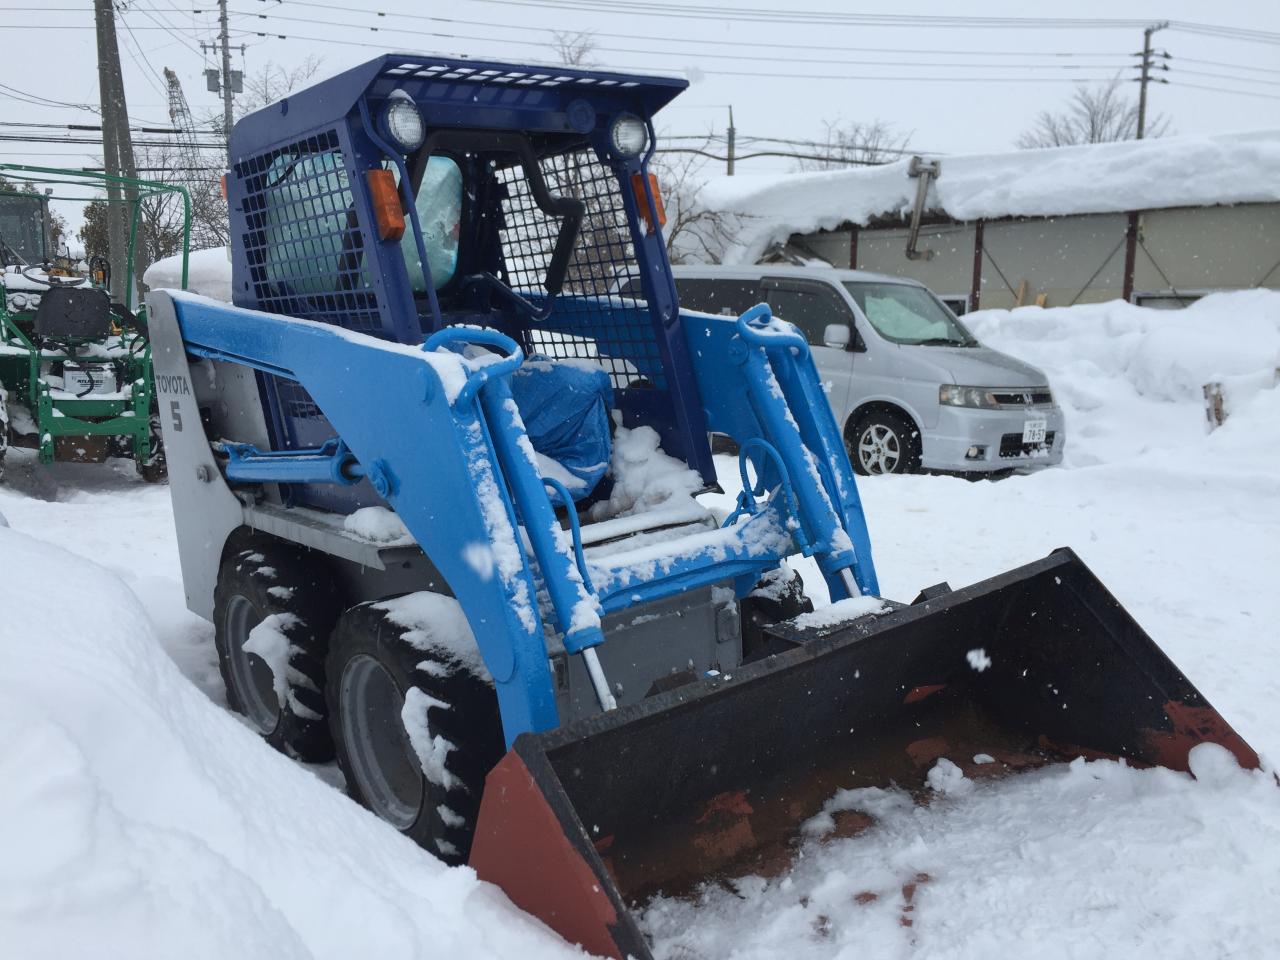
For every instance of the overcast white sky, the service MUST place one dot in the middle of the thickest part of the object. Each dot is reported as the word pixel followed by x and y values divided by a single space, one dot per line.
pixel 784 79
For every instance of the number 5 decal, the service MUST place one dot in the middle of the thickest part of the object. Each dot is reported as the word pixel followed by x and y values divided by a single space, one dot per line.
pixel 176 414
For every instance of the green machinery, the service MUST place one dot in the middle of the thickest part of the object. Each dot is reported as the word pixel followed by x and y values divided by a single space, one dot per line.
pixel 75 362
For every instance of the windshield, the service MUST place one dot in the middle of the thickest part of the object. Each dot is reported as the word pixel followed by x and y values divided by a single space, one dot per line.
pixel 439 203
pixel 22 238
pixel 903 313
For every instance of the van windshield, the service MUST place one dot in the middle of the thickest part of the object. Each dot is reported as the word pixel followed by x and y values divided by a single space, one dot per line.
pixel 903 313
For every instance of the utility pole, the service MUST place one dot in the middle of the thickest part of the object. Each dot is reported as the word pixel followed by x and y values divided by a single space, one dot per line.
pixel 731 138
pixel 227 82
pixel 227 85
pixel 1146 75
pixel 117 144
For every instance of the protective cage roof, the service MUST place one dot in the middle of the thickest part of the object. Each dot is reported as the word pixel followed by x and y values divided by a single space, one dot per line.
pixel 449 82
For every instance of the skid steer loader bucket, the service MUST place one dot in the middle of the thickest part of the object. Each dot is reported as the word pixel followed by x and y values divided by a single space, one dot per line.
pixel 1035 666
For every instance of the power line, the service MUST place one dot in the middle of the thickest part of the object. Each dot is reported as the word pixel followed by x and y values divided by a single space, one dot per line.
pixel 756 14
pixel 827 18
pixel 23 138
pixel 272 35
pixel 784 141
pixel 704 55
pixel 137 46
pixel 1226 33
pixel 664 40
pixel 1243 93
pixel 16 94
pixel 168 131
pixel 1232 66
pixel 156 17
pixel 1223 76
pixel 715 42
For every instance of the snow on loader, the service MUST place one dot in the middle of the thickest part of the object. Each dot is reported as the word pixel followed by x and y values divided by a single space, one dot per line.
pixel 75 361
pixel 435 481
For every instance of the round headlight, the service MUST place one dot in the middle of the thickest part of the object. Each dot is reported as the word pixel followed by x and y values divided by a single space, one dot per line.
pixel 630 136
pixel 404 121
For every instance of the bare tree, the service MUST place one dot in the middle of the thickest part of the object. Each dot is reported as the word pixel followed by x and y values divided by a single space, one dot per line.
pixel 693 233
pixel 1092 115
pixel 574 48
pixel 160 218
pixel 273 82
pixel 160 215
pixel 270 83
pixel 857 143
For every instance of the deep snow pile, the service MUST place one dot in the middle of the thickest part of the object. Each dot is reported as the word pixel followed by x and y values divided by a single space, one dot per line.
pixel 1081 860
pixel 1130 378
pixel 1098 178
pixel 208 273
pixel 139 819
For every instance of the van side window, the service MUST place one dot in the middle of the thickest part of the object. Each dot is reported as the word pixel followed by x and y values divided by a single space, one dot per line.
pixel 811 307
pixel 719 296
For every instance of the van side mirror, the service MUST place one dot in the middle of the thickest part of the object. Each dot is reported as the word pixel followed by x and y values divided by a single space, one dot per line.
pixel 837 336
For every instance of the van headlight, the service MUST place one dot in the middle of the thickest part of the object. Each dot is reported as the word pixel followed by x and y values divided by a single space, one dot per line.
pixel 953 395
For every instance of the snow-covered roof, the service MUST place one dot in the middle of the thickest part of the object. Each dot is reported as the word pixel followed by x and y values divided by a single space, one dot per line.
pixel 1099 178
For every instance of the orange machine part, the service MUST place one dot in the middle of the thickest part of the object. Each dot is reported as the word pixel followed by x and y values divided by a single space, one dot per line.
pixel 386 204
pixel 637 184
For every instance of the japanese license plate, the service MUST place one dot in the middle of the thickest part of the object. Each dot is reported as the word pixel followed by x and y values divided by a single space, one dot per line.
pixel 1033 431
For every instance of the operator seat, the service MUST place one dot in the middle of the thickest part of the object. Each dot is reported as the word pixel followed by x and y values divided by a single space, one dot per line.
pixel 68 313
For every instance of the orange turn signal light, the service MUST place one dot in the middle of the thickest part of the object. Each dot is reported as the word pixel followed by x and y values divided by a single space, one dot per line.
pixel 386 204
pixel 642 202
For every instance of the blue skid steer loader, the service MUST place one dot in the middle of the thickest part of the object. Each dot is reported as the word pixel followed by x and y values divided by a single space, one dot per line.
pixel 435 482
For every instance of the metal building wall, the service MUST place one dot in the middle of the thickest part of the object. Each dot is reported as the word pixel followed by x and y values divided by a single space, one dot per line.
pixel 948 272
pixel 1064 259
pixel 1194 250
pixel 1174 254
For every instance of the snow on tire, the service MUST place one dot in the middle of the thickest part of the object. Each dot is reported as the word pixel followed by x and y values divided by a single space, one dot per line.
pixel 414 718
pixel 274 608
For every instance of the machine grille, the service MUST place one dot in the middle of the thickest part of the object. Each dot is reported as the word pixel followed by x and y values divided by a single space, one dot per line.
pixel 590 320
pixel 302 238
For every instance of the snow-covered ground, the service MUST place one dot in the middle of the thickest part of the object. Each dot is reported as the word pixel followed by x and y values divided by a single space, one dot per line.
pixel 140 819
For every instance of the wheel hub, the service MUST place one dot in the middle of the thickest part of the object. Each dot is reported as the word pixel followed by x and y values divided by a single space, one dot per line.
pixel 382 759
pixel 250 675
pixel 879 450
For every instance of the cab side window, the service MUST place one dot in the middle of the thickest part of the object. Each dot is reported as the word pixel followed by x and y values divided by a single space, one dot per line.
pixel 811 307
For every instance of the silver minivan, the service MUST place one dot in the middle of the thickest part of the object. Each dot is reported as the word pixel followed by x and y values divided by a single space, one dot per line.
pixel 912 388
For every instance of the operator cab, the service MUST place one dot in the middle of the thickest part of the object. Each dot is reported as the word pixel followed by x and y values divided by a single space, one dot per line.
pixel 463 193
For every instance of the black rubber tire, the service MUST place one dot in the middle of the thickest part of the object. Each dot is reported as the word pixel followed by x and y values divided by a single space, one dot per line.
pixel 461 708
pixel 278 578
pixel 156 469
pixel 905 434
pixel 4 429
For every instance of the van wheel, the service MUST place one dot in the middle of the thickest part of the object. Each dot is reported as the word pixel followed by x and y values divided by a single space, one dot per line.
pixel 273 611
pixel 884 442
pixel 415 724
